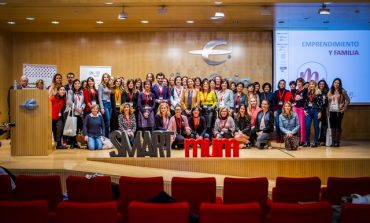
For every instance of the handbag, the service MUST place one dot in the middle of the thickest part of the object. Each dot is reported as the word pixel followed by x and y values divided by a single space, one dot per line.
pixel 70 127
pixel 328 135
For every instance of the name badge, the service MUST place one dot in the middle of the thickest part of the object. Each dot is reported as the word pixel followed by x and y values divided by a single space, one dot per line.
pixel 118 104
pixel 160 97
pixel 60 114
pixel 310 104
pixel 293 103
pixel 147 107
pixel 236 106
pixel 131 104
pixel 280 103
pixel 222 104
pixel 93 102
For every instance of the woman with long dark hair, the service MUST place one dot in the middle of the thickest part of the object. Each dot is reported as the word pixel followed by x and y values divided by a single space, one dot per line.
pixel 337 105
pixel 176 94
pixel 146 105
pixel 281 95
pixel 208 102
pixel 190 98
pixel 90 96
pixel 58 102
pixel 56 82
pixel 127 121
pixel 300 99
pixel 131 96
pixel 198 126
pixel 266 94
pixel 243 127
pixel 104 92
pixel 180 126
pixel 264 126
pixel 323 121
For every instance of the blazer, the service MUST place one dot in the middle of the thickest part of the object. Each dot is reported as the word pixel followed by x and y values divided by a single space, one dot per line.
pixel 159 125
pixel 241 100
pixel 172 127
pixel 194 100
pixel 343 100
pixel 201 128
pixel 269 122
pixel 227 99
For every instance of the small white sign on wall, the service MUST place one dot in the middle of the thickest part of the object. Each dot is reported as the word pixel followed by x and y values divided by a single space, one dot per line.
pixel 95 72
pixel 39 71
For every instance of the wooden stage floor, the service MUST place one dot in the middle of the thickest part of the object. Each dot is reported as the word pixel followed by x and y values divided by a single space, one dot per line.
pixel 353 159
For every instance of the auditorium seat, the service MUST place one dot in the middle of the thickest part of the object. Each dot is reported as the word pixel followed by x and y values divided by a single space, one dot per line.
pixel 139 212
pixel 24 211
pixel 39 188
pixel 227 213
pixel 194 190
pixel 94 212
pixel 245 190
pixel 337 187
pixel 137 189
pixel 6 193
pixel 317 212
pixel 295 190
pixel 359 213
pixel 97 189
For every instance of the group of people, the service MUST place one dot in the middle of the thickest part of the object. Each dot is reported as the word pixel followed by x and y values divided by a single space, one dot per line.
pixel 199 108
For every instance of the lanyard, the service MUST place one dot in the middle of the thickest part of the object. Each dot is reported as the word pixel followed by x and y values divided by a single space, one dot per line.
pixel 222 96
pixel 196 122
pixel 131 95
pixel 117 93
pixel 128 122
pixel 281 95
pixel 224 125
pixel 310 97
pixel 237 99
pixel 205 96
pixel 178 92
pixel 164 122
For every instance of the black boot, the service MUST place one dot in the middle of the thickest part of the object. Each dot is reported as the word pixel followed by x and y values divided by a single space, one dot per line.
pixel 338 135
pixel 333 137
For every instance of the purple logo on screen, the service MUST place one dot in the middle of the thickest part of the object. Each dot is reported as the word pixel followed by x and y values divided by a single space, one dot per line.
pixel 312 71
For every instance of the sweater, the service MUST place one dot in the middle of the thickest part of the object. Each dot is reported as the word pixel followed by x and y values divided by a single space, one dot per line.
pixel 94 126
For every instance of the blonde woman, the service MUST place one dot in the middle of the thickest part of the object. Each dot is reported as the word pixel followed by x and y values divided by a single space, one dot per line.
pixel 225 125
pixel 104 93
pixel 289 126
pixel 55 83
pixel 253 110
pixel 40 84
pixel 162 119
pixel 127 121
pixel 312 111
pixel 94 128
pixel 117 91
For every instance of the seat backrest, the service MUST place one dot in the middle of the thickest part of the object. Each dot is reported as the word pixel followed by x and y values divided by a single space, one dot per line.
pixel 194 190
pixel 318 212
pixel 24 211
pixel 94 212
pixel 97 189
pixel 39 188
pixel 138 189
pixel 225 213
pixel 355 213
pixel 6 193
pixel 158 213
pixel 294 190
pixel 338 187
pixel 243 190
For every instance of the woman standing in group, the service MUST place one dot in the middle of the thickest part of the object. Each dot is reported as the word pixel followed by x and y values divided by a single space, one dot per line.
pixel 117 91
pixel 146 105
pixel 233 87
pixel 171 82
pixel 197 83
pixel 208 102
pixel 280 97
pixel 90 96
pixel 94 128
pixel 150 77
pixel 127 121
pixel 131 96
pixel 253 110
pixel 190 98
pixel 197 125
pixel 299 100
pixel 312 111
pixel 138 85
pixel 180 126
pixel 176 94
pixel 225 97
pixel 337 105
pixel 218 80
pixel 212 85
pixel 324 89
pixel 251 93
pixel 104 92
pixel 162 119
pixel 264 126
pixel 289 126
pixel 75 100
pixel 243 127
pixel 257 88
pixel 184 82
pixel 266 94
pixel 225 125
pixel 55 83
pixel 58 102
pixel 240 98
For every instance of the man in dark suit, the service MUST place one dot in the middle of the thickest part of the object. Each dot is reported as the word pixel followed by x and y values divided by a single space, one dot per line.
pixel 161 92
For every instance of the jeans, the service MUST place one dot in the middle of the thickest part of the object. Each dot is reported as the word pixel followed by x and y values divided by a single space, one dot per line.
pixel 107 114
pixel 312 114
pixel 263 138
pixel 94 143
pixel 278 132
pixel 301 119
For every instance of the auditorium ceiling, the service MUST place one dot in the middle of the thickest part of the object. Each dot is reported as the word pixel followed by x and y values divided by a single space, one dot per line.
pixel 177 15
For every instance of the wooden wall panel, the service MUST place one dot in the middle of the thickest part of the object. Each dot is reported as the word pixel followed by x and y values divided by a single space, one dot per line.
pixel 135 54
pixel 5 72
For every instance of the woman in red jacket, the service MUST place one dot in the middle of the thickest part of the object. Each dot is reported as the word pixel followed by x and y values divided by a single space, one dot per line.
pixel 58 102
pixel 90 96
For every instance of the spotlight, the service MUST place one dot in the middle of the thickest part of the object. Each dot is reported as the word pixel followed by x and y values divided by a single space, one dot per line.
pixel 324 10
pixel 122 15
pixel 218 15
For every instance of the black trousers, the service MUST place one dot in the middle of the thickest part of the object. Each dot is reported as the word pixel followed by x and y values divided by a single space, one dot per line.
pixel 57 127
pixel 336 120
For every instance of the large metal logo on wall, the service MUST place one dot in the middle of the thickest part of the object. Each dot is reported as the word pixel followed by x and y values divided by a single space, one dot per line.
pixel 208 49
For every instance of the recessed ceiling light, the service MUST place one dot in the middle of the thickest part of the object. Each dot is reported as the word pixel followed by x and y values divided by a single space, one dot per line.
pixel 11 22
pixel 218 3
pixel 55 22
pixel 144 21
pixel 218 15
pixel 324 10
pixel 190 21
pixel 3 3
pixel 30 18
pixel 99 22
pixel 109 3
